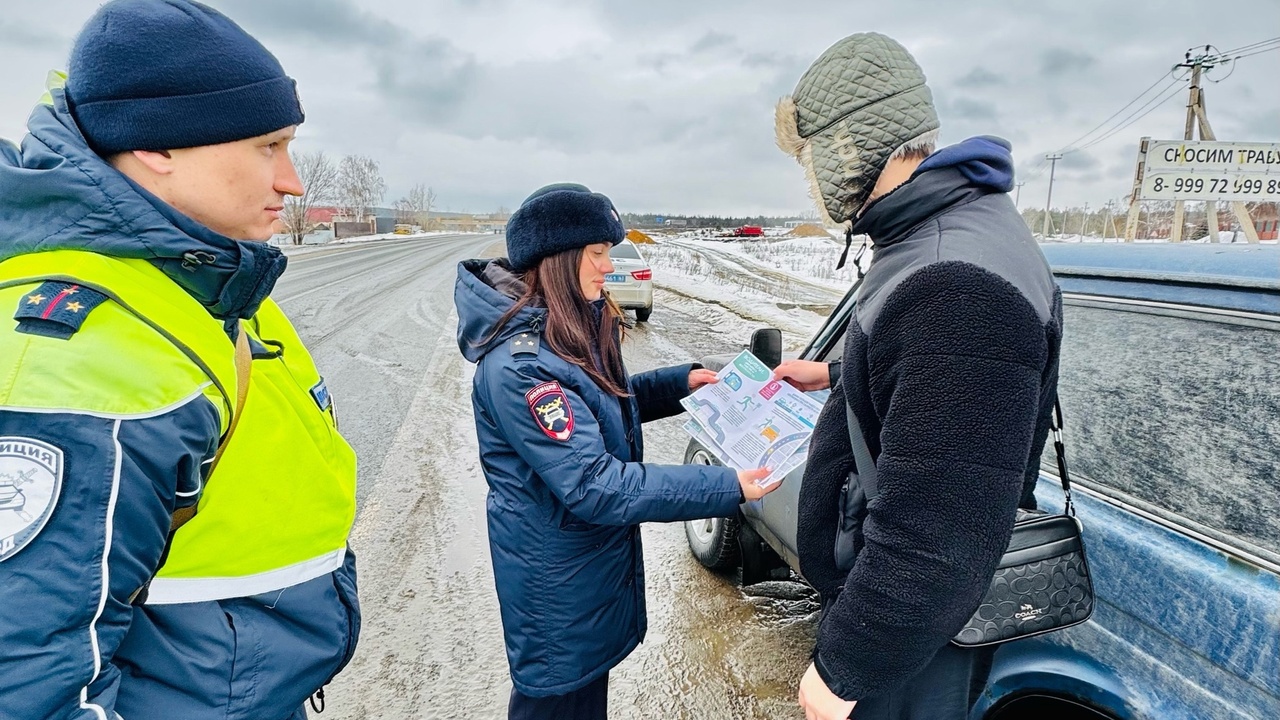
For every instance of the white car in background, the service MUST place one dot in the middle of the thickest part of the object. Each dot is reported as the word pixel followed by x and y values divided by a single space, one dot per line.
pixel 631 282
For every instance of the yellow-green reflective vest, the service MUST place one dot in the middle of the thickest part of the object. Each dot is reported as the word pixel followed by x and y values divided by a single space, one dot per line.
pixel 280 505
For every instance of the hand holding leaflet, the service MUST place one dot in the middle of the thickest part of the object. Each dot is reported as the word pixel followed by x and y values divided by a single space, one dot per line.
pixel 749 420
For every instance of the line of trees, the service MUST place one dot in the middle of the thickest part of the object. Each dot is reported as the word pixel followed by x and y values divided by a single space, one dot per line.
pixel 355 186
pixel 645 220
pixel 1155 219
pixel 415 208
pixel 319 176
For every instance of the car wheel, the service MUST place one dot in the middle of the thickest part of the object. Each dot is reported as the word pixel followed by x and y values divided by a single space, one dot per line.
pixel 713 541
pixel 642 314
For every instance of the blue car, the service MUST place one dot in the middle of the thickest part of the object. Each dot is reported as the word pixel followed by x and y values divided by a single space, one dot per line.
pixel 1170 383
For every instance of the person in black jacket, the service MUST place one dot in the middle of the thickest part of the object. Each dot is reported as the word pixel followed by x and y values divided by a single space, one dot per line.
pixel 950 364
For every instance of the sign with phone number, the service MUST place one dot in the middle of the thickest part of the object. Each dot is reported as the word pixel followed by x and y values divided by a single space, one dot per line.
pixel 1210 170
pixel 1205 186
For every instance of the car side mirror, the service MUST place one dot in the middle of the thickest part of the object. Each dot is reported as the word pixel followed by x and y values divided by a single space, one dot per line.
pixel 766 344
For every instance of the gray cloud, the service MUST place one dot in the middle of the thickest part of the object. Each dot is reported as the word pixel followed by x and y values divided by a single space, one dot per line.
pixel 668 104
pixel 980 77
pixel 711 41
pixel 26 36
pixel 1082 160
pixel 1061 61
pixel 326 21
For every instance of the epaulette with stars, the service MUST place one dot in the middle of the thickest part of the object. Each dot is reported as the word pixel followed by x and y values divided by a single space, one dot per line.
pixel 56 309
pixel 526 343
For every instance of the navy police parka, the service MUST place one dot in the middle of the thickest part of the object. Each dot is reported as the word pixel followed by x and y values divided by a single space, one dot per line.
pixel 567 488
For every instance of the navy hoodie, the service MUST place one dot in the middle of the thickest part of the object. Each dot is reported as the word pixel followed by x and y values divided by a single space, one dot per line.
pixel 951 364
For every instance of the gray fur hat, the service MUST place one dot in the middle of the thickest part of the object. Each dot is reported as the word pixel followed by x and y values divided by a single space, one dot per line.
pixel 863 101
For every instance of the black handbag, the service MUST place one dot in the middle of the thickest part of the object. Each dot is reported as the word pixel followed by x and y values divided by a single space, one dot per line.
pixel 1042 582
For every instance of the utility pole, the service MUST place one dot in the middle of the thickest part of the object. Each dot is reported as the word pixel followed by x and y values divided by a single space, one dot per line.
pixel 1084 220
pixel 1197 118
pixel 1053 159
pixel 1135 197
pixel 1179 207
pixel 1017 198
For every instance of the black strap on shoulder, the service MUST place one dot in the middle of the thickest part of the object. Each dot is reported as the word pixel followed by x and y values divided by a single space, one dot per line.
pixel 863 464
pixel 868 476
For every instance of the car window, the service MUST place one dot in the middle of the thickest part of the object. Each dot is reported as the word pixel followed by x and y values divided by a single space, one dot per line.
pixel 626 251
pixel 1180 411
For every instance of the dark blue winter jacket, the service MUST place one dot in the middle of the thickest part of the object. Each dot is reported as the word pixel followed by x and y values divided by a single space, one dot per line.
pixel 567 489
pixel 72 645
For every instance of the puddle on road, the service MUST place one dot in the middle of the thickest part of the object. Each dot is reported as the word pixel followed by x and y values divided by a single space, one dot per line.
pixel 715 650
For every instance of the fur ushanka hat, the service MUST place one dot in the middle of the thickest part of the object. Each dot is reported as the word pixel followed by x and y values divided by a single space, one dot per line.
pixel 861 102
pixel 560 217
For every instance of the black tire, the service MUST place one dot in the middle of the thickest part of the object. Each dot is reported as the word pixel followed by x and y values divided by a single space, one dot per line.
pixel 642 314
pixel 713 541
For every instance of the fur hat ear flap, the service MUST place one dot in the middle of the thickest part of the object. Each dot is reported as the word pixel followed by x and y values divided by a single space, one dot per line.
pixel 786 131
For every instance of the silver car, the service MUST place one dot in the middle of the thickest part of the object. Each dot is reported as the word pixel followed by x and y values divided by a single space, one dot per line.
pixel 631 282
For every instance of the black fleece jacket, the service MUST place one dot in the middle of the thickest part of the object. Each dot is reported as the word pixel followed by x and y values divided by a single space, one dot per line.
pixel 951 364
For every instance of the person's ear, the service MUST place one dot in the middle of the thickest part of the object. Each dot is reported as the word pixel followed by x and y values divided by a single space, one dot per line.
pixel 159 162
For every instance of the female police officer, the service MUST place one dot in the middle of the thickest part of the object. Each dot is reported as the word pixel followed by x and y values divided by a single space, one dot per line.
pixel 558 422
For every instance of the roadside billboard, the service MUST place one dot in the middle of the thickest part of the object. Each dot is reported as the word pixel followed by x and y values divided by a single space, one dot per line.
pixel 1210 170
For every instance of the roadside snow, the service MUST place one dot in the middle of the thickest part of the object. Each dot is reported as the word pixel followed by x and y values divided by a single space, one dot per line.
pixel 788 283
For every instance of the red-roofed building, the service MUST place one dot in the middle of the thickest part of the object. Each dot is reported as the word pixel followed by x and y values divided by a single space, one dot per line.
pixel 322 214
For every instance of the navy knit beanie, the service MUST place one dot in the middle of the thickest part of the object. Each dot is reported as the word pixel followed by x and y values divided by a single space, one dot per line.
pixel 171 74
pixel 560 217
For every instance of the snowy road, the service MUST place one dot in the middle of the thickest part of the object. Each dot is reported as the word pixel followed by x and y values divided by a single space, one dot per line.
pixel 379 321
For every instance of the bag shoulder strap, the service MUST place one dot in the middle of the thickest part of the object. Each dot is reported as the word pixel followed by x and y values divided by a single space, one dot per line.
pixel 864 466
pixel 244 365
pixel 868 476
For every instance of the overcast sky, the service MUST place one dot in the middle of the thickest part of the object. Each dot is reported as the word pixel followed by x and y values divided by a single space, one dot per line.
pixel 667 105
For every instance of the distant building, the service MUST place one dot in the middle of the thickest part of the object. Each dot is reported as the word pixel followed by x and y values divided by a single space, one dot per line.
pixel 1266 218
pixel 465 222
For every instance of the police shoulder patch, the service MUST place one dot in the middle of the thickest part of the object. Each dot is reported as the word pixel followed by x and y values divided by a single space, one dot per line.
pixel 551 410
pixel 525 343
pixel 30 483
pixel 56 309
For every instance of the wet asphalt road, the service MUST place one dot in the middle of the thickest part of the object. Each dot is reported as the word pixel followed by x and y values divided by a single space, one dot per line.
pixel 378 319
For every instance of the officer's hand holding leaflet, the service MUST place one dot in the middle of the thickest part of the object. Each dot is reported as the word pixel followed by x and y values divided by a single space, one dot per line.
pixel 701 376
pixel 751 483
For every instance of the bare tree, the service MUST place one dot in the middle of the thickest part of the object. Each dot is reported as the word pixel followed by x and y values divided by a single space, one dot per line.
pixel 360 185
pixel 319 178
pixel 419 203
pixel 404 212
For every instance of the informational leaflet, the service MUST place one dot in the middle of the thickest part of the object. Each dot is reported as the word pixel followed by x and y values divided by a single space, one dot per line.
pixel 749 420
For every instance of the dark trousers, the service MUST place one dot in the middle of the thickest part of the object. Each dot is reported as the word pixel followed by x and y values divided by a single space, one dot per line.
pixel 588 703
pixel 944 690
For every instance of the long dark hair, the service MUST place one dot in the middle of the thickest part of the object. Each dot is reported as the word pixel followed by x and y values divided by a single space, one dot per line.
pixel 553 283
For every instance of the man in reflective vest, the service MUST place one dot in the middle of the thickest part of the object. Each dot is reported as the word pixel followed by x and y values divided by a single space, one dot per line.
pixel 175 497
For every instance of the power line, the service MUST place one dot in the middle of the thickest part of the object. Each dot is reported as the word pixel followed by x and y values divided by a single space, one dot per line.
pixel 1251 46
pixel 1170 92
pixel 1070 146
pixel 1257 52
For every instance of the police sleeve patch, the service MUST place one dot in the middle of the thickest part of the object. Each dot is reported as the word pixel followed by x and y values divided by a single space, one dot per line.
pixel 551 410
pixel 30 482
